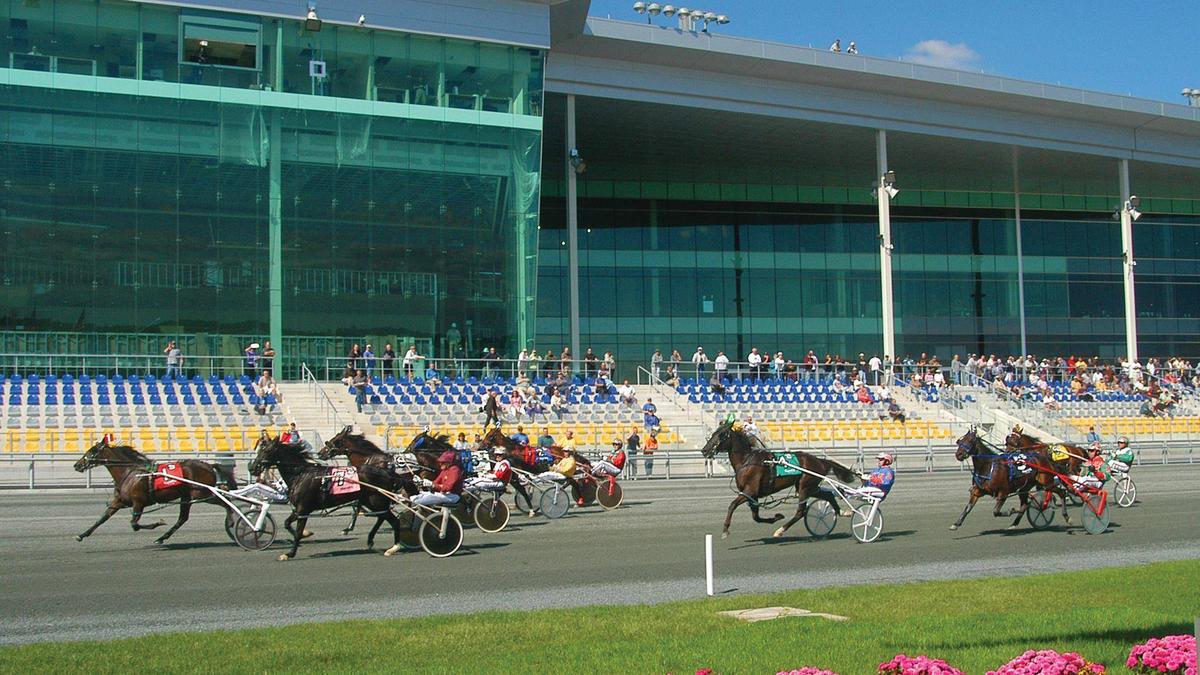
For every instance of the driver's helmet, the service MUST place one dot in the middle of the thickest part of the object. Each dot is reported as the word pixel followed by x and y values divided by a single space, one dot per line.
pixel 1095 446
pixel 885 457
pixel 1122 442
pixel 1017 429
pixel 498 450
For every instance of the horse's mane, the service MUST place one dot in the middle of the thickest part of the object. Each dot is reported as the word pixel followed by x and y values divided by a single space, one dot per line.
pixel 126 453
pixel 296 452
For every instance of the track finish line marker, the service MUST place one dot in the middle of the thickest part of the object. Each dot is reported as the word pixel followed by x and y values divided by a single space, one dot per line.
pixel 708 564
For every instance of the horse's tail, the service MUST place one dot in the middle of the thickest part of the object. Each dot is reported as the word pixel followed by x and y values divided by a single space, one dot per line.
pixel 226 475
pixel 843 472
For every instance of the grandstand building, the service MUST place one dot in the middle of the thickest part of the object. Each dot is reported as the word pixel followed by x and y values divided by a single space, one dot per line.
pixel 231 171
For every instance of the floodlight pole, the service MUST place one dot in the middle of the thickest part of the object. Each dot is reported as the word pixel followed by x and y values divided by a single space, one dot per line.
pixel 1128 263
pixel 1020 252
pixel 572 231
pixel 883 199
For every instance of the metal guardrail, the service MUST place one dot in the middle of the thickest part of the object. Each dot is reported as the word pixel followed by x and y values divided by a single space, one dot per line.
pixel 127 364
pixel 314 389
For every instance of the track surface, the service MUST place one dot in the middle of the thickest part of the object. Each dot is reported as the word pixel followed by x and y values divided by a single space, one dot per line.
pixel 117 583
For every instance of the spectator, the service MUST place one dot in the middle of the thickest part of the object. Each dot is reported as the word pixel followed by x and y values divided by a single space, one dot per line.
pixel 627 394
pixel 389 360
pixel 591 363
pixel 433 378
pixel 883 393
pixel 895 412
pixel 265 386
pixel 810 365
pixel 720 366
pixel 174 361
pixel 1092 436
pixel 876 366
pixel 754 359
pixel 360 389
pixel 751 428
pixel 251 361
pixel 535 363
pixel 715 385
pixel 698 360
pixel 863 395
pixel 353 359
pixel 545 440
pixel 779 364
pixel 520 437
pixel 648 450
pixel 676 360
pixel 836 46
pixel 656 360
pixel 672 376
pixel 461 445
pixel 649 414
pixel 410 360
pixel 564 360
pixel 609 364
pixel 453 339
pixel 604 386
pixel 491 409
pixel 522 363
pixel 368 358
pixel 491 360
pixel 268 357
pixel 852 49
pixel 633 443
pixel 558 404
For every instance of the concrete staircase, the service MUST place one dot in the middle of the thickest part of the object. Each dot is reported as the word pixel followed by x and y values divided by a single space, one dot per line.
pixel 324 408
pixel 678 414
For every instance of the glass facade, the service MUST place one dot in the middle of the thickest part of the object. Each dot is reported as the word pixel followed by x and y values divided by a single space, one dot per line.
pixel 150 209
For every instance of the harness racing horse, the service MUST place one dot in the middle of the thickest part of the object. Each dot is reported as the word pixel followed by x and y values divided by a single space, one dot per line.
pixel 755 475
pixel 1069 464
pixel 520 458
pixel 993 474
pixel 359 451
pixel 133 486
pixel 310 489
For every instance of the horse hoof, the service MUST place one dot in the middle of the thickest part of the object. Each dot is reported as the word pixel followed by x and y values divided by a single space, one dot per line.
pixel 953 527
pixel 724 535
pixel 79 537
pixel 283 557
pixel 532 514
pixel 392 551
pixel 344 532
pixel 778 533
pixel 160 541
pixel 307 534
pixel 1012 527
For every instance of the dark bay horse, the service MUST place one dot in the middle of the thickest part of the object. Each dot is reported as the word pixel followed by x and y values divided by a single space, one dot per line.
pixel 359 450
pixel 993 474
pixel 133 486
pixel 310 490
pixel 1059 458
pixel 755 475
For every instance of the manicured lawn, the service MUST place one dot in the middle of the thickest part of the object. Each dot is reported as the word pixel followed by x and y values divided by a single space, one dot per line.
pixel 975 625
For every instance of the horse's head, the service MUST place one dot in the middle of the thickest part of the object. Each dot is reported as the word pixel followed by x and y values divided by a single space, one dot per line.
pixel 94 455
pixel 271 452
pixel 720 441
pixel 495 436
pixel 336 442
pixel 968 445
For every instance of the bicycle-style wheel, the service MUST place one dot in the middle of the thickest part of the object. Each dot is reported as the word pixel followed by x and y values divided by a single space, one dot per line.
pixel 251 539
pixel 434 542
pixel 820 517
pixel 1124 491
pixel 867 523
pixel 587 491
pixel 523 505
pixel 555 502
pixel 408 528
pixel 1096 515
pixel 491 514
pixel 608 495
pixel 1040 512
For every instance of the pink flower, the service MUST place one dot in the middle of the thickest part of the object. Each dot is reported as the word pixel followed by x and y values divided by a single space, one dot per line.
pixel 806 670
pixel 1171 655
pixel 902 664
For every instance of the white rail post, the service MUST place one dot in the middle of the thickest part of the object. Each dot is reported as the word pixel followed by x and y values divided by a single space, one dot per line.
pixel 708 564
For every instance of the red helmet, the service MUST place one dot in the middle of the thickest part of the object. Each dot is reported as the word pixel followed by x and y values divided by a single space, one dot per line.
pixel 446 457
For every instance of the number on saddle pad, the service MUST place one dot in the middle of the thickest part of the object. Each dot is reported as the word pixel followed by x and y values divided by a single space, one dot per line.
pixel 343 480
pixel 1059 453
pixel 1020 464
pixel 166 482
pixel 787 464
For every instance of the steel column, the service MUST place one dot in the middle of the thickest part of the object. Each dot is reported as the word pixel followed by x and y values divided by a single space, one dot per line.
pixel 1020 253
pixel 1131 352
pixel 885 247
pixel 572 230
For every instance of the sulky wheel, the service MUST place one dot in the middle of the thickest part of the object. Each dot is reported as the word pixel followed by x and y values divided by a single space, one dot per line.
pixel 820 518
pixel 437 544
pixel 491 514
pixel 1040 512
pixel 867 523
pixel 587 491
pixel 232 517
pixel 408 528
pixel 1124 491
pixel 1096 522
pixel 523 504
pixel 251 539
pixel 609 495
pixel 555 502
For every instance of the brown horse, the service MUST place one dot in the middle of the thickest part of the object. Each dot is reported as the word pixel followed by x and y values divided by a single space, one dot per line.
pixel 133 485
pixel 755 475
pixel 1059 458
pixel 993 474
pixel 359 451
pixel 309 490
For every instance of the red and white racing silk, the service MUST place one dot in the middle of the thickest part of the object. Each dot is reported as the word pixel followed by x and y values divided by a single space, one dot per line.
pixel 502 470
pixel 166 482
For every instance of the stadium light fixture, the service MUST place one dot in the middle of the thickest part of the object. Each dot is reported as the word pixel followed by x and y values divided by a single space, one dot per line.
pixel 654 8
pixel 668 11
pixel 1192 95
pixel 889 184
pixel 576 160
pixel 312 22
pixel 1131 205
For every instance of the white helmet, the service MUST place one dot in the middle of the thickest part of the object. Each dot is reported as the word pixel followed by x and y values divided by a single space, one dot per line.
pixel 498 450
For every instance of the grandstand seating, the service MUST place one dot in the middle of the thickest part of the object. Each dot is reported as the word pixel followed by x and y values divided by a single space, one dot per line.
pixel 406 406
pixel 65 414
pixel 1136 426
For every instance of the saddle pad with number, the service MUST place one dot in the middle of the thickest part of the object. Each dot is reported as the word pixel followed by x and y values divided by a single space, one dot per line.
pixel 166 482
pixel 343 480
pixel 1018 465
pixel 1059 453
pixel 787 464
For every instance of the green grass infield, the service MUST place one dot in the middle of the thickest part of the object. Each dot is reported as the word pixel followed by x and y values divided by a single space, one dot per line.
pixel 974 624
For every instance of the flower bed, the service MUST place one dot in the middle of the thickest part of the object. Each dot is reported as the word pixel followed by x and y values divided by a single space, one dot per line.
pixel 902 664
pixel 1048 662
pixel 807 670
pixel 1170 655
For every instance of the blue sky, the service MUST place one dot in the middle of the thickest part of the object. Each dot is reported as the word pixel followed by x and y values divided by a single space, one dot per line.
pixel 1147 48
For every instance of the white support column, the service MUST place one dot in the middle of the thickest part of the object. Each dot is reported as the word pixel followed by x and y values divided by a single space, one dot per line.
pixel 885 246
pixel 1020 253
pixel 572 231
pixel 1131 353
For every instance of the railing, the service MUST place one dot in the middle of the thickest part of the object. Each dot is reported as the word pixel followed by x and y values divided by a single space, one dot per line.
pixel 327 407
pixel 43 470
pixel 127 364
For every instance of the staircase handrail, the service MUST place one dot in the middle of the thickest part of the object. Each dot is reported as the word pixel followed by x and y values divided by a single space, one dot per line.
pixel 317 392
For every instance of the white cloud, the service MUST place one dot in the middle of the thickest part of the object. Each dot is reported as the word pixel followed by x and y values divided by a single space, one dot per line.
pixel 943 54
